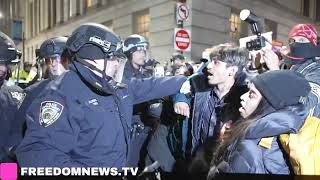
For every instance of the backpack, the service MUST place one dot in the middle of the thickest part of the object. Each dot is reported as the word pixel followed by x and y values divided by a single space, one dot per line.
pixel 303 148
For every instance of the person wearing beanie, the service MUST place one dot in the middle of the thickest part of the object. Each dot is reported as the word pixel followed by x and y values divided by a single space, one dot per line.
pixel 273 106
pixel 303 57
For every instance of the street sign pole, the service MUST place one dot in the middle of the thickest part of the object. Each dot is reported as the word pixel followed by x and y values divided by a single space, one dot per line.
pixel 182 14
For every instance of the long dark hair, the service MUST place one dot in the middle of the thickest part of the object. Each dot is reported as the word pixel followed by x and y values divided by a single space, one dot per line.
pixel 239 129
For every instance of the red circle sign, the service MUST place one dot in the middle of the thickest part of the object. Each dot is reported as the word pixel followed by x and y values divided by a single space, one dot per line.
pixel 182 39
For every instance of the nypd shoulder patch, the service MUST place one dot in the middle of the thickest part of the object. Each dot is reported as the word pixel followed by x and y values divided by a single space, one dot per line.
pixel 50 111
pixel 19 97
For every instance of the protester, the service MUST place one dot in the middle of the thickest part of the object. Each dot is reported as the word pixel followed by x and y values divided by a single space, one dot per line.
pixel 271 107
pixel 303 57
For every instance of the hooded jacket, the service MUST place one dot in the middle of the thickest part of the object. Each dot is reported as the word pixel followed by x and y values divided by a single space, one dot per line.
pixel 248 155
pixel 310 69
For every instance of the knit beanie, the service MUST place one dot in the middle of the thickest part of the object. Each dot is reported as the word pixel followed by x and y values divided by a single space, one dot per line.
pixel 282 88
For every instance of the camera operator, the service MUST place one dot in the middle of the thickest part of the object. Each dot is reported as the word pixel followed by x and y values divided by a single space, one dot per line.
pixel 303 55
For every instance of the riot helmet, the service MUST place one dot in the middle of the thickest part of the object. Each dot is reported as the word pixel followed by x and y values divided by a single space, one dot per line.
pixel 95 42
pixel 9 54
pixel 136 49
pixel 50 54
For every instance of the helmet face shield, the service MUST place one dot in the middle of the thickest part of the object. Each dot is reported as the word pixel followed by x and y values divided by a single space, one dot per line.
pixel 121 59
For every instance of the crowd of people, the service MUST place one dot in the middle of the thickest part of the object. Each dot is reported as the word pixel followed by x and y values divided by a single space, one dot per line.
pixel 95 101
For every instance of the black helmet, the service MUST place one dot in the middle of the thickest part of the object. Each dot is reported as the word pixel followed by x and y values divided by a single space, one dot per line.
pixel 135 42
pixel 94 41
pixel 52 47
pixel 8 52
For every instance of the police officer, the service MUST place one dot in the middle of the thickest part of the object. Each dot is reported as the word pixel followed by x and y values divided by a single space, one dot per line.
pixel 53 53
pixel 52 59
pixel 83 118
pixel 10 97
pixel 136 50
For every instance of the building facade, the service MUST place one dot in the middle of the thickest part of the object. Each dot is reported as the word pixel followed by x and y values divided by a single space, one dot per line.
pixel 212 21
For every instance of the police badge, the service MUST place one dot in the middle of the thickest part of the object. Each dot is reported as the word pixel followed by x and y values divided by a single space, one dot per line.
pixel 50 111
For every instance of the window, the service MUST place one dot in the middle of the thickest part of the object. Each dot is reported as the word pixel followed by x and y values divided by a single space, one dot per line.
pixel 31 18
pixel 54 10
pixel 61 11
pixel 305 7
pixel 317 10
pixel 73 8
pixel 49 14
pixel 237 29
pixel 109 24
pixel 91 3
pixel 271 26
pixel 32 52
pixel 141 22
pixel 52 13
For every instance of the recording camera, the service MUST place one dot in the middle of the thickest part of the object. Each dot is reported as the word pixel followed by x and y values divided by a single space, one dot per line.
pixel 252 19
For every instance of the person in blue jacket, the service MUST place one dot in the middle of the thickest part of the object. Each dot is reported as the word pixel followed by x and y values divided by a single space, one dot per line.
pixel 83 118
pixel 53 52
pixel 10 98
pixel 271 107
pixel 136 48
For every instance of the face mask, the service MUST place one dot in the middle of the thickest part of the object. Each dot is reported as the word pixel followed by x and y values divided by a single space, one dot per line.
pixel 302 50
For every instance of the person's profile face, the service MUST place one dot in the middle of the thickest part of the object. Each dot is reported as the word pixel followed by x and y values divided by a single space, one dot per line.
pixel 250 101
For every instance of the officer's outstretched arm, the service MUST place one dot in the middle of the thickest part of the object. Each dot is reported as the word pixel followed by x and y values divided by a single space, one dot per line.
pixel 153 88
pixel 50 136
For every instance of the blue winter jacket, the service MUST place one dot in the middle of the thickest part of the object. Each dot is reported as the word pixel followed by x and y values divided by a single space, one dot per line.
pixel 248 156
